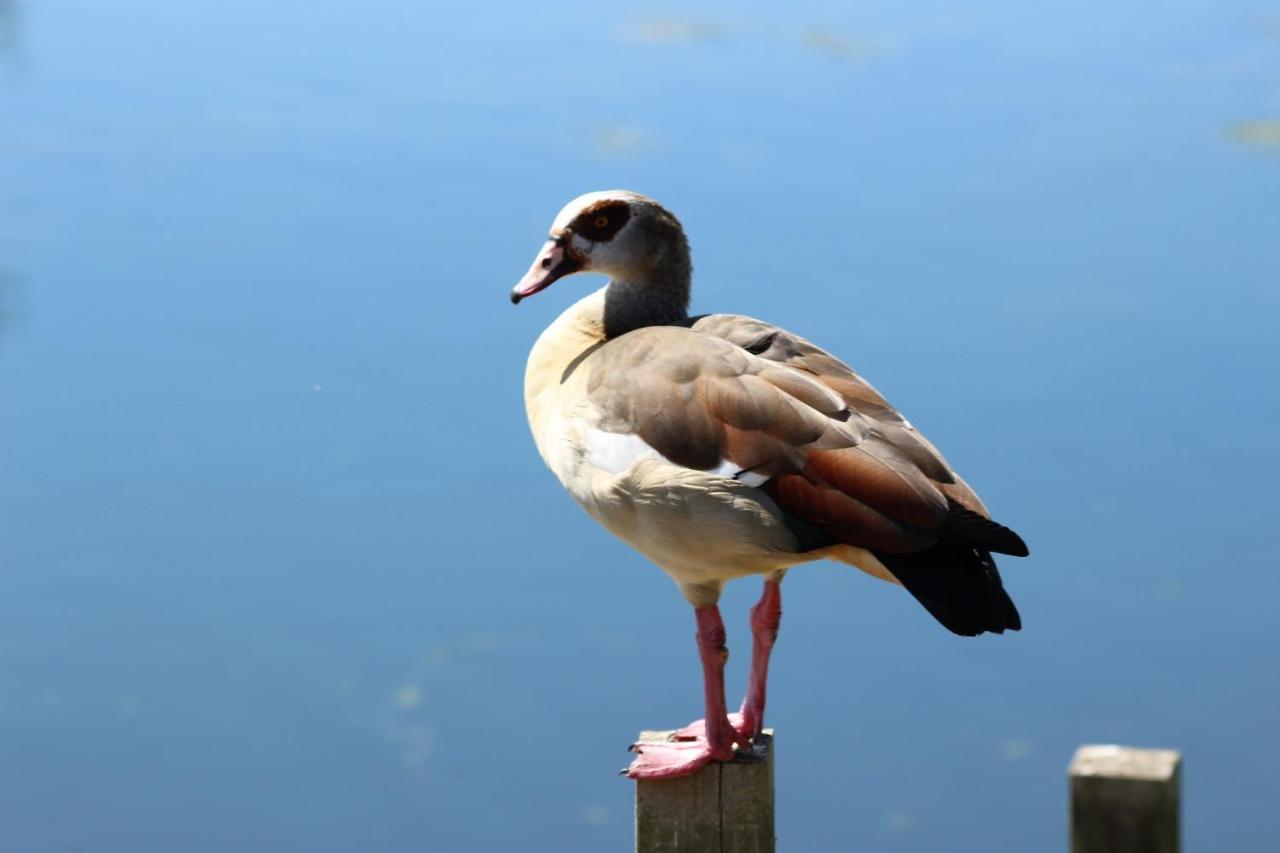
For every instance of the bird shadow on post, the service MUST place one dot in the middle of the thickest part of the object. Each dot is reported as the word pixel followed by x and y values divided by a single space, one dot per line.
pixel 723 808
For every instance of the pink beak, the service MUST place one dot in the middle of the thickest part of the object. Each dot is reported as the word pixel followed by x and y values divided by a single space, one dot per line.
pixel 552 263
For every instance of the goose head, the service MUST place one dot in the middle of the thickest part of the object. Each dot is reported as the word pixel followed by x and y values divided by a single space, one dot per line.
pixel 619 233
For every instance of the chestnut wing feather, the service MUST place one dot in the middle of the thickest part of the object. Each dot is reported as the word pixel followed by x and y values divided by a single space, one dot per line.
pixel 947 566
pixel 912 472
pixel 897 442
pixel 701 400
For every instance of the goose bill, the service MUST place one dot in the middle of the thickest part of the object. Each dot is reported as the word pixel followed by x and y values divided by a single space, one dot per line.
pixel 552 263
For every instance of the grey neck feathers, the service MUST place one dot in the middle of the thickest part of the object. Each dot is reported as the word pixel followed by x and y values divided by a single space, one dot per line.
pixel 657 296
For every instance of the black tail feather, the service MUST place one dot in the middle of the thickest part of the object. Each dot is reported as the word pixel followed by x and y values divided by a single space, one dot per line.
pixel 966 527
pixel 959 585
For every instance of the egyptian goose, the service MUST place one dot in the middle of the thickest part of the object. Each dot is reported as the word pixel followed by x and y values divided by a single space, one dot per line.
pixel 721 446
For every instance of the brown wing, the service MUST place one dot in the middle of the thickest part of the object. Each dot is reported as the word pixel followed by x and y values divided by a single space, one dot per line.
pixel 892 493
pixel 887 426
pixel 703 402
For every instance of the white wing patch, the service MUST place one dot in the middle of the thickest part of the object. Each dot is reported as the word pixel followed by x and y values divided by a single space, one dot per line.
pixel 752 478
pixel 615 452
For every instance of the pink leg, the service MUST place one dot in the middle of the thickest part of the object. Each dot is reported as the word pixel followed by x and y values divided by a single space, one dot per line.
pixel 766 616
pixel 716 740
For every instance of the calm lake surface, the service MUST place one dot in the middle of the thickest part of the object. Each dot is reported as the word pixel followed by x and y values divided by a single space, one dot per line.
pixel 280 568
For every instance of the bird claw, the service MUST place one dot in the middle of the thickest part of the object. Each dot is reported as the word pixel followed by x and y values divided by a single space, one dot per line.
pixel 669 760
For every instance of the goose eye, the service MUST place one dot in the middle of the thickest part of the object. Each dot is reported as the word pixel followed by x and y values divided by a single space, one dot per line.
pixel 601 221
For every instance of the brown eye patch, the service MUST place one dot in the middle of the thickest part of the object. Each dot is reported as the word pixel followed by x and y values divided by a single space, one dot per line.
pixel 601 222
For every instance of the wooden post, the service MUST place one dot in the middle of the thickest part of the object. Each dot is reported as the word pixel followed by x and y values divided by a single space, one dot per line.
pixel 723 808
pixel 1125 800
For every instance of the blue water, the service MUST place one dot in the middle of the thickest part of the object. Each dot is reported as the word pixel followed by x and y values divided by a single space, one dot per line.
pixel 280 568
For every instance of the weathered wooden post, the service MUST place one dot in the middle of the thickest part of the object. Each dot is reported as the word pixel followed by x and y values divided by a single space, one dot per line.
pixel 723 808
pixel 1125 800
